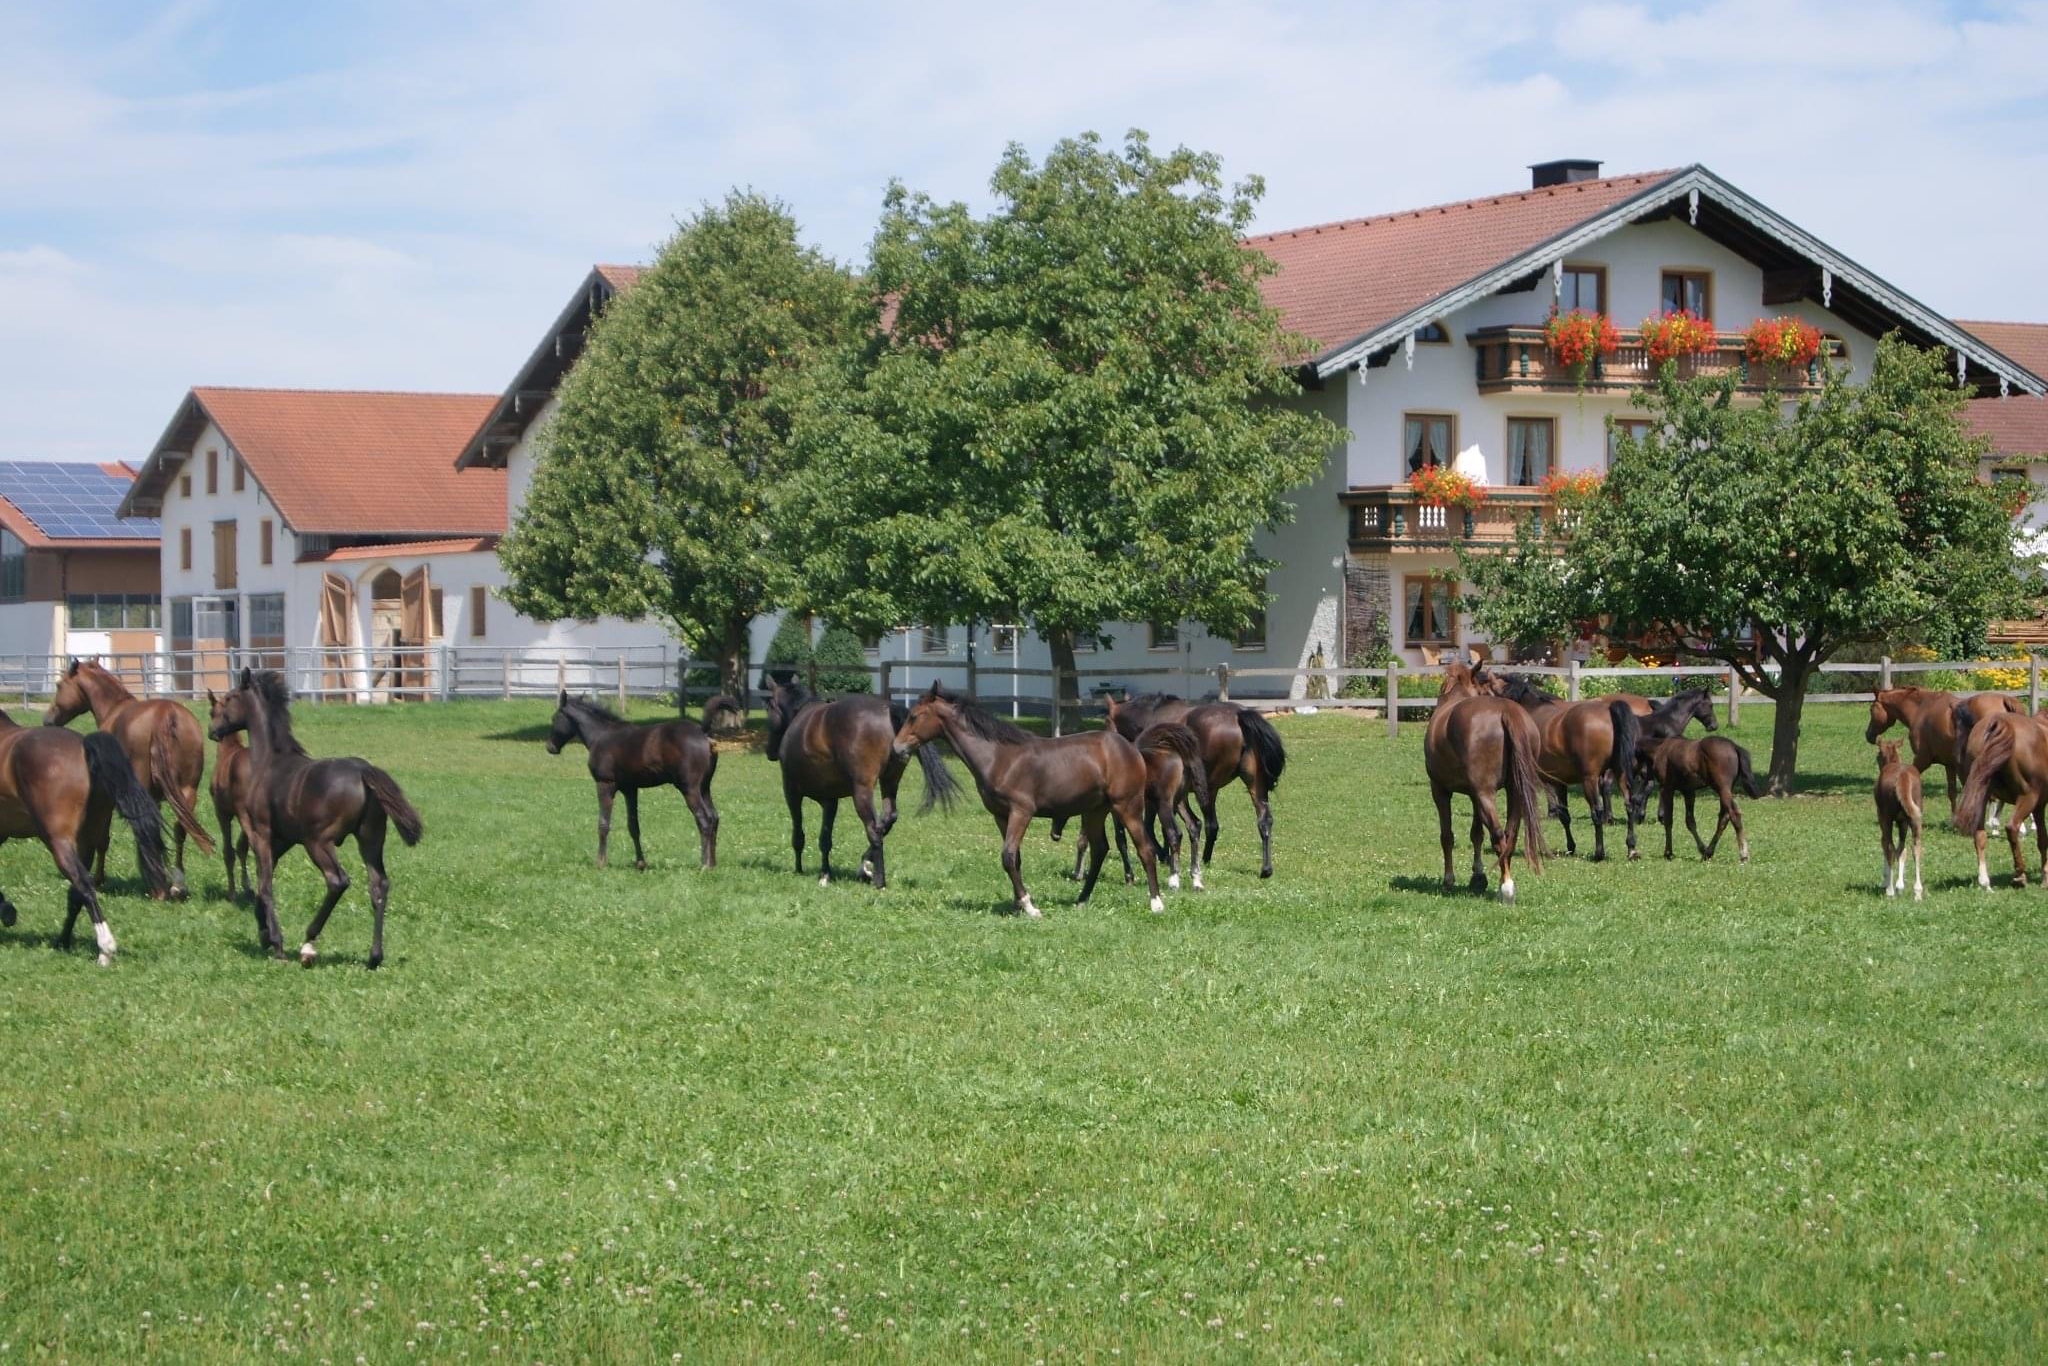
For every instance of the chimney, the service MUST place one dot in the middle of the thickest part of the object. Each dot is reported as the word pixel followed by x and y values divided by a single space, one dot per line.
pixel 1564 172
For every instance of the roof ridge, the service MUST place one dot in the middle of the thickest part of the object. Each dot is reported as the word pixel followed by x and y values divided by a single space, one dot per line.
pixel 1996 322
pixel 337 393
pixel 1580 186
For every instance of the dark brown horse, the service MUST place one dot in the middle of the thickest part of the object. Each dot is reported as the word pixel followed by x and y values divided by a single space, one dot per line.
pixel 1682 767
pixel 626 756
pixel 1478 743
pixel 1591 744
pixel 1898 817
pixel 164 743
pixel 230 790
pixel 2004 757
pixel 1097 775
pixel 1671 715
pixel 1176 790
pixel 1929 717
pixel 318 803
pixel 1237 744
pixel 844 748
pixel 63 789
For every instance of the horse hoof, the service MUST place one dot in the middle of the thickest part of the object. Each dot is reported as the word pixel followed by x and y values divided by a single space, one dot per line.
pixel 307 953
pixel 640 865
pixel 1173 882
pixel 376 959
pixel 1507 891
pixel 105 935
pixel 1028 909
pixel 1889 890
pixel 867 869
pixel 1477 884
pixel 1634 854
pixel 1917 894
pixel 1265 872
pixel 7 915
pixel 106 960
pixel 1158 905
pixel 1130 881
pixel 824 879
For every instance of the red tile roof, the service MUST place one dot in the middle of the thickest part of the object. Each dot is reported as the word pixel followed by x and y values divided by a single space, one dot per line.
pixel 1339 281
pixel 2017 425
pixel 401 549
pixel 622 277
pixel 2026 343
pixel 344 462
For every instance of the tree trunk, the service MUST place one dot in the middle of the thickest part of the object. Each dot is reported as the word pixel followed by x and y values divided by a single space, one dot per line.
pixel 1068 701
pixel 732 661
pixel 1795 674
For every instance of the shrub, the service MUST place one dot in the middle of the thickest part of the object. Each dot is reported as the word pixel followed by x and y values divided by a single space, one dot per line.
pixel 1376 653
pixel 842 663
pixel 1654 686
pixel 791 647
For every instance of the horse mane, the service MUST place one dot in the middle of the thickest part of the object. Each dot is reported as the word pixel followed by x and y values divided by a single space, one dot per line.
pixel 592 707
pixel 981 722
pixel 1151 699
pixel 275 695
pixel 1518 688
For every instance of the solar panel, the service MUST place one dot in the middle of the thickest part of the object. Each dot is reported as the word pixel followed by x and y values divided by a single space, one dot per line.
pixel 71 501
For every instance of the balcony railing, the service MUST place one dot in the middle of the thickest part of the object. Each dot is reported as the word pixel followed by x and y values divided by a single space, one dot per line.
pixel 1515 360
pixel 1391 518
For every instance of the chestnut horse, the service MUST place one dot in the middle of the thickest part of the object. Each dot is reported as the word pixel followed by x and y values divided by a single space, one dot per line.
pixel 1096 775
pixel 626 756
pixel 165 747
pixel 318 803
pixel 1898 817
pixel 1476 744
pixel 2003 756
pixel 844 748
pixel 230 790
pixel 1237 743
pixel 1930 721
pixel 1590 743
pixel 63 789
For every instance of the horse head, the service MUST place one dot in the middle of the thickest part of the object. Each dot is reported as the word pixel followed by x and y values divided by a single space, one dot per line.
pixel 562 727
pixel 1881 719
pixel 1887 754
pixel 1464 680
pixel 1703 708
pixel 784 701
pixel 926 721
pixel 70 699
pixel 236 711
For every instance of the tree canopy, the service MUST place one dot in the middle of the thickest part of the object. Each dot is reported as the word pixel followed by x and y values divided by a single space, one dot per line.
pixel 1077 416
pixel 1769 537
pixel 656 475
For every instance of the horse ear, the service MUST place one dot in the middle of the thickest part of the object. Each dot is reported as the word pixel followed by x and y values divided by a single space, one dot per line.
pixel 932 694
pixel 210 698
pixel 248 678
pixel 72 671
pixel 561 698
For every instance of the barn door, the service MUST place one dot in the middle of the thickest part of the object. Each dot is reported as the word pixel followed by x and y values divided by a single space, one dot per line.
pixel 415 628
pixel 337 630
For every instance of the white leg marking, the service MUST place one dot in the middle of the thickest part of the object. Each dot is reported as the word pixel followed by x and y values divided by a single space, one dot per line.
pixel 1173 881
pixel 1030 909
pixel 1507 889
pixel 1885 883
pixel 104 933
pixel 824 879
pixel 1198 879
pixel 867 867
pixel 1158 905
pixel 1983 875
pixel 307 953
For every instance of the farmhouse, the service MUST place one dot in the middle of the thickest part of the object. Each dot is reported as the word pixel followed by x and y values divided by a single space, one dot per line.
pixel 74 577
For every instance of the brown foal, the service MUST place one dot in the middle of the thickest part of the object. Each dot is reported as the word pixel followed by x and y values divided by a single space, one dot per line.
pixel 1898 817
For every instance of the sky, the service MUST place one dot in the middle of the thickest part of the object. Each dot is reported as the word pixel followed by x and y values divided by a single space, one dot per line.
pixel 402 195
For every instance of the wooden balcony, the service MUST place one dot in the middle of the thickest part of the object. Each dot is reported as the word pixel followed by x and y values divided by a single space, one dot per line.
pixel 1389 518
pixel 1515 360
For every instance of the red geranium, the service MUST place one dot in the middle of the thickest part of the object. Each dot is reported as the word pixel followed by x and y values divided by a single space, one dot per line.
pixel 1781 341
pixel 1575 338
pixel 1439 487
pixel 1571 486
pixel 1676 334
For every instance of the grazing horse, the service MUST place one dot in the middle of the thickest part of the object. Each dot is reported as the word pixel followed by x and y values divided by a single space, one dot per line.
pixel 164 743
pixel 1930 721
pixel 1682 767
pixel 230 789
pixel 1476 744
pixel 318 803
pixel 1898 817
pixel 63 789
pixel 1096 775
pixel 843 748
pixel 1588 743
pixel 626 756
pixel 2003 756
pixel 1237 743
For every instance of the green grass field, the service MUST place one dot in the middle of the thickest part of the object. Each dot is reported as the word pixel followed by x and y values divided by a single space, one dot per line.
pixel 1673 1110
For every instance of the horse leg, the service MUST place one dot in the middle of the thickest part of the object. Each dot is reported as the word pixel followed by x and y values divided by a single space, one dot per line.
pixel 878 830
pixel 1169 829
pixel 1983 871
pixel 1123 851
pixel 632 795
pixel 1916 856
pixel 1210 827
pixel 1080 857
pixel 831 805
pixel 796 824
pixel 370 844
pixel 190 795
pixel 1193 826
pixel 1015 824
pixel 324 858
pixel 1096 839
pixel 1132 819
pixel 82 896
pixel 1596 810
pixel 267 931
pixel 1255 783
pixel 1733 812
pixel 1697 842
pixel 698 799
pixel 605 793
pixel 1664 796
pixel 1628 814
pixel 1478 882
pixel 2022 807
pixel 1561 807
pixel 227 843
pixel 1484 813
pixel 1442 797
pixel 1884 832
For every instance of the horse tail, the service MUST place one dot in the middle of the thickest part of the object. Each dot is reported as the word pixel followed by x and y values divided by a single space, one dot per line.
pixel 1173 736
pixel 720 707
pixel 165 769
pixel 2000 738
pixel 109 774
pixel 1628 731
pixel 1264 743
pixel 1743 771
pixel 940 787
pixel 383 789
pixel 1521 745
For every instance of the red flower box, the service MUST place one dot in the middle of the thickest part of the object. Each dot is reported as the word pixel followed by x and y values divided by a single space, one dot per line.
pixel 1676 334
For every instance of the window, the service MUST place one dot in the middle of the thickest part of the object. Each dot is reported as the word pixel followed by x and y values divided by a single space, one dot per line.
pixel 184 547
pixel 1430 618
pixel 13 566
pixel 241 475
pixel 223 554
pixel 266 619
pixel 213 471
pixel 185 485
pixel 181 623
pixel 112 611
pixel 1582 287
pixel 1003 639
pixel 1432 334
pixel 434 601
pixel 871 641
pixel 1426 439
pixel 1529 445
pixel 1690 290
pixel 1635 428
pixel 1163 636
pixel 479 598
pixel 263 539
pixel 217 621
pixel 1086 642
pixel 932 638
pixel 1253 636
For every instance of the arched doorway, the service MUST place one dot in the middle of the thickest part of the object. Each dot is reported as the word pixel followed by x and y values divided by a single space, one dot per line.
pixel 404 620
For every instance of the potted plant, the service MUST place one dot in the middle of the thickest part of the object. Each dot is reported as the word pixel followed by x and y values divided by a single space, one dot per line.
pixel 1672 335
pixel 1787 344
pixel 1437 486
pixel 1579 340
pixel 1571 486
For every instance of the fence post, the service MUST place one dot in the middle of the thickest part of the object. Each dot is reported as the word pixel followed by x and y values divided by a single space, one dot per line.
pixel 1393 701
pixel 1571 677
pixel 1222 682
pixel 622 685
pixel 505 672
pixel 1884 673
pixel 2033 684
pixel 973 673
pixel 1056 698
pixel 1734 695
pixel 682 685
pixel 561 676
pixel 887 696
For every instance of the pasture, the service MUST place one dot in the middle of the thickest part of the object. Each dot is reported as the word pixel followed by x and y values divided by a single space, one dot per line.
pixel 1700 1112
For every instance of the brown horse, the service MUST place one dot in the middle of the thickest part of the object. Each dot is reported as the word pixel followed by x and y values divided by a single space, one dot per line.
pixel 1590 743
pixel 230 790
pixel 1682 767
pixel 1700 705
pixel 1476 744
pixel 164 743
pixel 318 803
pixel 626 756
pixel 1898 817
pixel 1176 787
pixel 1237 743
pixel 844 748
pixel 2003 756
pixel 1930 721
pixel 1097 775
pixel 63 789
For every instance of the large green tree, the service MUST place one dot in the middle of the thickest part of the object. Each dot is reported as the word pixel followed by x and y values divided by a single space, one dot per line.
pixel 657 473
pixel 1769 536
pixel 1077 416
